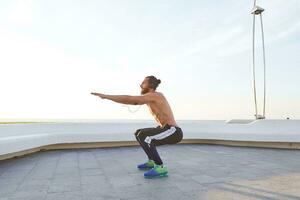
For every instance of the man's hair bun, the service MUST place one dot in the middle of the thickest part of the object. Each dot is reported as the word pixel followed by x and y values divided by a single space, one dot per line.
pixel 153 81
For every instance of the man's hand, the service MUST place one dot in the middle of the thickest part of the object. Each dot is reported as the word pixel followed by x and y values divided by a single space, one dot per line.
pixel 103 96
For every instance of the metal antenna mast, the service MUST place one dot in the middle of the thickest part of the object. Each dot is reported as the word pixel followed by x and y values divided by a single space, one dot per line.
pixel 258 11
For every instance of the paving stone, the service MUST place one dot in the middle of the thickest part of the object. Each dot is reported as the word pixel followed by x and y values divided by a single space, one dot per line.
pixel 34 184
pixel 91 172
pixel 64 184
pixel 65 196
pixel 7 189
pixel 31 194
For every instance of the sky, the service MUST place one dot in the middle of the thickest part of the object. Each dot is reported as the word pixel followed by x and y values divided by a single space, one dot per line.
pixel 53 54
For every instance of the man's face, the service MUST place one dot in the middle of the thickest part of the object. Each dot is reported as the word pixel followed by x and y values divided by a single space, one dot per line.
pixel 145 86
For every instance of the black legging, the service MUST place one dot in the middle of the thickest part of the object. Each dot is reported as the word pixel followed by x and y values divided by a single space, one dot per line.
pixel 149 138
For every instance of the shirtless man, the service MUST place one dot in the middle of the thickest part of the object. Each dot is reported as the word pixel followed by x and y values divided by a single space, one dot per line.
pixel 168 132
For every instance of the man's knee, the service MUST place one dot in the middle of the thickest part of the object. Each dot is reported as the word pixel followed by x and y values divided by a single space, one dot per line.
pixel 137 132
pixel 141 134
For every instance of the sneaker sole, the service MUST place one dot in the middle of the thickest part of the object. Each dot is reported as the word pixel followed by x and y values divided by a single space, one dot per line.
pixel 158 176
pixel 145 168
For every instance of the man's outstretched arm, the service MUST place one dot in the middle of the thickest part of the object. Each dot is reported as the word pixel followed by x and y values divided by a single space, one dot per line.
pixel 127 99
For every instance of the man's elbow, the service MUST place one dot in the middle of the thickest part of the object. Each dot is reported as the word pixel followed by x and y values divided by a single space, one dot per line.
pixel 138 102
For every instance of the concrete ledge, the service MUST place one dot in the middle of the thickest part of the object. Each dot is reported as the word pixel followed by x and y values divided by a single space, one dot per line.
pixel 88 145
pixel 277 145
pixel 82 145
pixel 21 139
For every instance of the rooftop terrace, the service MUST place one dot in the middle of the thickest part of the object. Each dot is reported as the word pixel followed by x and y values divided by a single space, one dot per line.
pixel 196 171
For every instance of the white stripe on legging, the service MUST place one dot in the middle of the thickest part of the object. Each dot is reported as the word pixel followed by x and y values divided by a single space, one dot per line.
pixel 161 135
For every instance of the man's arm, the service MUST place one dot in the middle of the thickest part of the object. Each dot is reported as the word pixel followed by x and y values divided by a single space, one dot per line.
pixel 128 99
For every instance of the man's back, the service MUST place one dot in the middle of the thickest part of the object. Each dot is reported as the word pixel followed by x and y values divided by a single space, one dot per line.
pixel 161 109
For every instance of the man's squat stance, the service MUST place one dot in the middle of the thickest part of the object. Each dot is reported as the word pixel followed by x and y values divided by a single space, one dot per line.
pixel 167 132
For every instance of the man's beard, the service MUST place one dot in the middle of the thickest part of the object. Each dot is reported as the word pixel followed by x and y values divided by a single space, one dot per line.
pixel 144 90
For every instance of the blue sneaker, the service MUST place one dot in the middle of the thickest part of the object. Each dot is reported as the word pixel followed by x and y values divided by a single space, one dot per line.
pixel 156 171
pixel 147 165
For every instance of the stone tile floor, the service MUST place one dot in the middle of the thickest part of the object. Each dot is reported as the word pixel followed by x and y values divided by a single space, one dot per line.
pixel 195 172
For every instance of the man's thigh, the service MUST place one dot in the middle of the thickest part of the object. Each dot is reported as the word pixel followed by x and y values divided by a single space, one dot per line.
pixel 138 131
pixel 172 139
pixel 150 131
pixel 167 136
pixel 160 136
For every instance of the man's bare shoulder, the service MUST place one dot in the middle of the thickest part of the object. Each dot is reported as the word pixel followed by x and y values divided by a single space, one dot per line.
pixel 160 95
pixel 157 94
pixel 154 95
